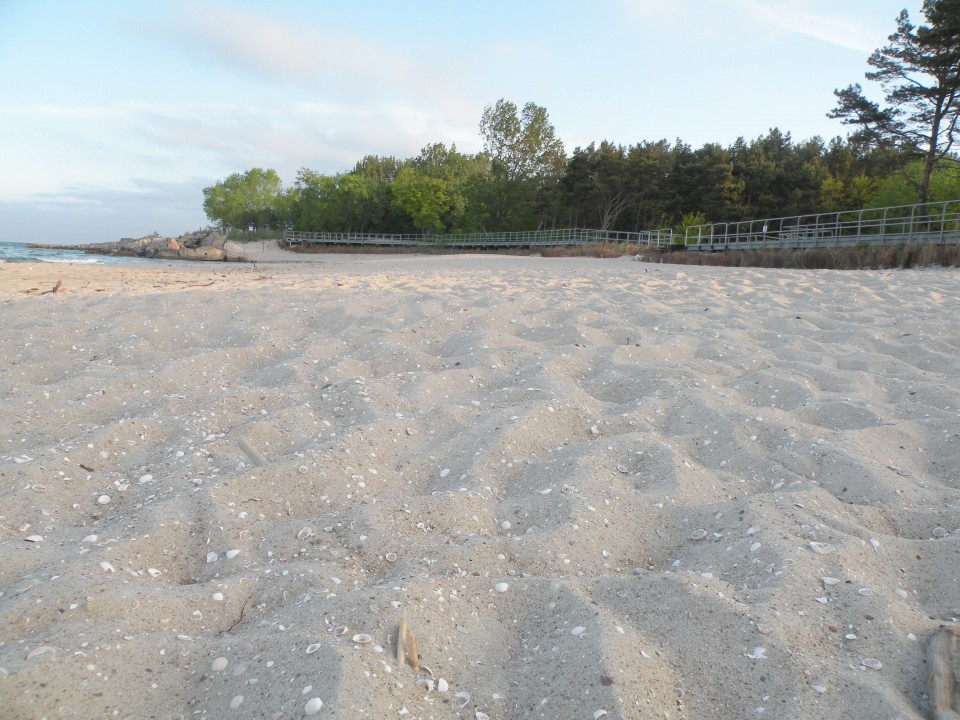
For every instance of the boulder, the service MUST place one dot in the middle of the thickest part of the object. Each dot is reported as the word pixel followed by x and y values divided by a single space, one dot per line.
pixel 202 245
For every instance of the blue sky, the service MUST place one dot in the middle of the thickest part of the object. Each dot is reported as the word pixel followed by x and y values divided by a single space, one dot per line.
pixel 115 114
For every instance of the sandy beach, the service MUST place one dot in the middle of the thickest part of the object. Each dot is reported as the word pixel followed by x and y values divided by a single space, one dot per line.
pixel 590 489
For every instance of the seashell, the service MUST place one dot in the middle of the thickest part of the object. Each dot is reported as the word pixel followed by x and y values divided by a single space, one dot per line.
pixel 153 572
pixel 759 653
pixel 866 592
pixel 90 539
pixel 827 580
pixel 902 593
pixel 754 547
pixel 34 538
pixel 313 706
pixel 872 663
pixel 501 587
pixel 362 638
pixel 390 557
pixel 874 543
pixel 236 702
pixel 106 567
pixel 442 685
pixel 939 532
pixel 481 715
pixel 144 479
pixel 311 649
pixel 463 695
pixel 103 500
pixel 698 534
pixel 42 650
pixel 39 487
pixel 212 557
pixel 302 469
pixel 231 554
pixel 599 714
pixel 622 469
pixel 578 631
pixel 219 664
pixel 217 596
pixel 425 683
pixel 822 548
pixel 304 533
pixel 505 525
pixel 340 631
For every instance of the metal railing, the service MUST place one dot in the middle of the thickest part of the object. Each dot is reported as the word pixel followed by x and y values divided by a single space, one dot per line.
pixel 529 238
pixel 937 222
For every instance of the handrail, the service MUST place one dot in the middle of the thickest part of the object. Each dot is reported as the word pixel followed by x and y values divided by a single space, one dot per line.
pixel 931 222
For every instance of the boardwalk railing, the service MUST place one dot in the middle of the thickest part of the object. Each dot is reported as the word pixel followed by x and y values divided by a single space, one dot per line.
pixel 524 239
pixel 937 223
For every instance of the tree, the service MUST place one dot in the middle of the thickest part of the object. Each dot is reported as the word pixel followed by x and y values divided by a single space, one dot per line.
pixel 243 199
pixel 595 187
pixel 313 202
pixel 423 198
pixel 464 178
pixel 525 157
pixel 919 72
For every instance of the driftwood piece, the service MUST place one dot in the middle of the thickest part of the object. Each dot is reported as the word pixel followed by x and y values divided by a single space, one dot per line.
pixel 414 655
pixel 943 674
pixel 402 642
pixel 251 452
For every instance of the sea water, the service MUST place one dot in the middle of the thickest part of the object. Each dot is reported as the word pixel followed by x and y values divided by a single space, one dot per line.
pixel 20 252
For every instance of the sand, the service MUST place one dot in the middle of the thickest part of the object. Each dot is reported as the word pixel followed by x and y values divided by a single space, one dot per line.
pixel 589 486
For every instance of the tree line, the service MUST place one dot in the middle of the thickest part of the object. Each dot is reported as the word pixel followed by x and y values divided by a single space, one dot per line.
pixel 899 153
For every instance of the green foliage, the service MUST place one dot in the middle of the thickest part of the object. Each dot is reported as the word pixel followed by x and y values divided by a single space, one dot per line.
pixel 690 220
pixel 526 159
pixel 523 181
pixel 423 198
pixel 918 72
pixel 243 200
pixel 900 189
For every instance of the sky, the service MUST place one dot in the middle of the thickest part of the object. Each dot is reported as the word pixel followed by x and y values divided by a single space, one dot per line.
pixel 114 115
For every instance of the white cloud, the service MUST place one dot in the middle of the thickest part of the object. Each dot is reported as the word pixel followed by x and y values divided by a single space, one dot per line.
pixel 69 146
pixel 342 62
pixel 818 20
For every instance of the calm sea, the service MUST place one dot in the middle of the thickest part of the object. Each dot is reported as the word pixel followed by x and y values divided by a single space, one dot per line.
pixel 19 252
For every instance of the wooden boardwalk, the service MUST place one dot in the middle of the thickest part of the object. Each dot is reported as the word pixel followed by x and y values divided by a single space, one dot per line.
pixel 937 223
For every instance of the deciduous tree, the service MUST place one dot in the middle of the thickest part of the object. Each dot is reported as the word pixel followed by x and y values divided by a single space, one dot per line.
pixel 525 156
pixel 243 199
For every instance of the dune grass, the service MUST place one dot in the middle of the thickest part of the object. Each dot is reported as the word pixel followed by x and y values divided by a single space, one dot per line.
pixel 860 257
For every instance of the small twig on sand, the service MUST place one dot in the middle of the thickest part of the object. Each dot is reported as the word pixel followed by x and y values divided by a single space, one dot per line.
pixel 251 452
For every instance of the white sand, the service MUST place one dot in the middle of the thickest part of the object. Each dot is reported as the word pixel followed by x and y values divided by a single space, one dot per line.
pixel 561 426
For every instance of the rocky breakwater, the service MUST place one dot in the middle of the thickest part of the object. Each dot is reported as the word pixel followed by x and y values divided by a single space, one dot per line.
pixel 203 245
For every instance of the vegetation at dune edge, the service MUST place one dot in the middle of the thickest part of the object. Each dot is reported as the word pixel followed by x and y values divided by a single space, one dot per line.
pixel 898 153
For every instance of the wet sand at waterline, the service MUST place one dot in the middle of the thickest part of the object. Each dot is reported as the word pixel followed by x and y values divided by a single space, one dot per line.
pixel 584 488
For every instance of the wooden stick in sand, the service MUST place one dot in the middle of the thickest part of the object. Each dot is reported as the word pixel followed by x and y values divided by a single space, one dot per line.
pixel 402 642
pixel 414 655
pixel 251 452
pixel 943 668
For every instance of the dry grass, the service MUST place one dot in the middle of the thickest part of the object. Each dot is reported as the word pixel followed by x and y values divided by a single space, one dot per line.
pixel 599 250
pixel 860 257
